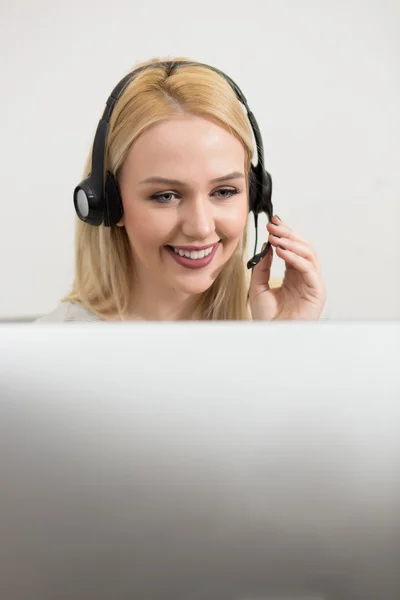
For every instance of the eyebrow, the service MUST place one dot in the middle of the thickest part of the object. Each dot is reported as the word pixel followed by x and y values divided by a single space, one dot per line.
pixel 165 180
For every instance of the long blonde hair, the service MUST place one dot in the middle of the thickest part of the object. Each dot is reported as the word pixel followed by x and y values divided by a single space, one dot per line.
pixel 104 266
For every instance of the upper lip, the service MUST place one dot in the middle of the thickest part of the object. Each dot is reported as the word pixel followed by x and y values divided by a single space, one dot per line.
pixel 195 247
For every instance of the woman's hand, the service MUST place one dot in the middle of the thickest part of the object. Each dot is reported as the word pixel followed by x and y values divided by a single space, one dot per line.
pixel 302 295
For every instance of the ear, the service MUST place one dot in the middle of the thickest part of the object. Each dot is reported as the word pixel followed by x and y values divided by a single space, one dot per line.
pixel 121 223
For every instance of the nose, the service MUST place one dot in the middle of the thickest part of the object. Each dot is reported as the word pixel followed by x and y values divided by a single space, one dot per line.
pixel 197 221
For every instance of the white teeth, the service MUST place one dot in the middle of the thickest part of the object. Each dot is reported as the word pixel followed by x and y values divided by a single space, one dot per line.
pixel 194 254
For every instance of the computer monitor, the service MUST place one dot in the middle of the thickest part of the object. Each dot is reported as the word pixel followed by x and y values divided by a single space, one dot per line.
pixel 200 461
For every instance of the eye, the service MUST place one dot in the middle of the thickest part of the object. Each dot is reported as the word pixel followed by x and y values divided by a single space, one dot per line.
pixel 164 198
pixel 169 197
pixel 227 193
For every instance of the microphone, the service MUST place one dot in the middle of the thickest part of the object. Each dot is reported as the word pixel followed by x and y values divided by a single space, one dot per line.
pixel 258 257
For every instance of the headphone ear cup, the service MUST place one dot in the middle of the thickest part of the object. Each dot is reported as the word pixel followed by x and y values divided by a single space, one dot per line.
pixel 252 191
pixel 89 202
pixel 267 194
pixel 114 208
pixel 260 192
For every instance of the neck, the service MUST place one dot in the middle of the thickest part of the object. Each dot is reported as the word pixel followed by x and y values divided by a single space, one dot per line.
pixel 153 305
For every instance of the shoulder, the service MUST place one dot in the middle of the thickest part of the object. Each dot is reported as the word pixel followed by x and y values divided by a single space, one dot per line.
pixel 68 312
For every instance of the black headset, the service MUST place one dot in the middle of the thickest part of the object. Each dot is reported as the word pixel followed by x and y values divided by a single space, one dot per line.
pixel 99 202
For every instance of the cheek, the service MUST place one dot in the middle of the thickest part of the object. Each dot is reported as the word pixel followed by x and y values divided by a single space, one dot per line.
pixel 234 221
pixel 147 228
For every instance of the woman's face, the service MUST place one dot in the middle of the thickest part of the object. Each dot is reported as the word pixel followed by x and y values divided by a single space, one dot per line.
pixel 185 203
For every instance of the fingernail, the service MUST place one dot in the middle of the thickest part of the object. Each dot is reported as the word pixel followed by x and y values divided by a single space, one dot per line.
pixel 263 246
pixel 279 219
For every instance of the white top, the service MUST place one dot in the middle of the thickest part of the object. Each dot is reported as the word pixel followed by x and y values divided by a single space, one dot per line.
pixel 68 312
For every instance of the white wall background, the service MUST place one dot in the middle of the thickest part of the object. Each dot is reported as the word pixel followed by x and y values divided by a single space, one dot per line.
pixel 323 79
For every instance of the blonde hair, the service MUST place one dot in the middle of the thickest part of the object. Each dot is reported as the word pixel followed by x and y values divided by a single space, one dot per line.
pixel 104 266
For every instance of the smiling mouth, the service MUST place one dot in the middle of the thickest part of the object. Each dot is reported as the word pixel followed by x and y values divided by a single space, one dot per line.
pixel 193 259
pixel 192 253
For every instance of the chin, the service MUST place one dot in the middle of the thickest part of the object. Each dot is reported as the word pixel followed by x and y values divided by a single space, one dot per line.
pixel 195 286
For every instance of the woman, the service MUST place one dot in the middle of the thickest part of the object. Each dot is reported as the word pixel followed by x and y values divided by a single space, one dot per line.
pixel 179 150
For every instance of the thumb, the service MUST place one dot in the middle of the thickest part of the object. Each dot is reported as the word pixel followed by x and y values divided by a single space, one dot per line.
pixel 262 272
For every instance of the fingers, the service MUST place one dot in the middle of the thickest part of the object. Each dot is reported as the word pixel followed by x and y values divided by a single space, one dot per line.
pixel 301 263
pixel 261 274
pixel 296 247
pixel 287 242
pixel 264 266
pixel 278 227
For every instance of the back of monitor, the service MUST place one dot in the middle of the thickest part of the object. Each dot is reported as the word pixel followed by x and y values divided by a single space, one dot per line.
pixel 221 462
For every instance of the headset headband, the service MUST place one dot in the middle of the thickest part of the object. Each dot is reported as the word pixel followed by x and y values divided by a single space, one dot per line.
pixel 99 146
